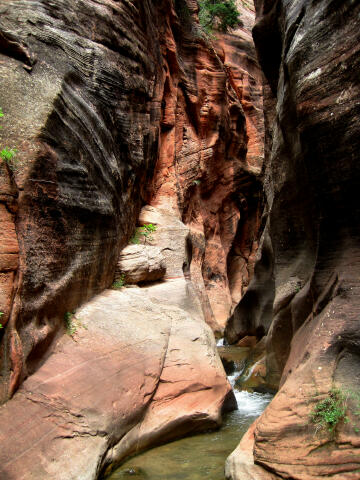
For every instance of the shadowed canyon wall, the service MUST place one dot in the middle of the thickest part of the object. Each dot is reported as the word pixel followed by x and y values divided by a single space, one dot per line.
pixel 80 107
pixel 305 292
pixel 90 92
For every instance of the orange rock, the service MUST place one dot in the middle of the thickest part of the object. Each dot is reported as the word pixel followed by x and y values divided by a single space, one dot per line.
pixel 115 388
pixel 210 158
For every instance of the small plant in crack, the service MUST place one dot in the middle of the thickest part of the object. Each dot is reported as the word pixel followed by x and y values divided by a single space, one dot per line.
pixel 69 323
pixel 330 412
pixel 145 232
pixel 7 154
pixel 120 283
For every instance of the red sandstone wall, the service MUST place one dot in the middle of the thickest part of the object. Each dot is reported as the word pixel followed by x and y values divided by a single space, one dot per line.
pixel 211 154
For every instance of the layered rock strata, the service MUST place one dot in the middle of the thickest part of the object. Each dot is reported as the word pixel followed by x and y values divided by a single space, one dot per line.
pixel 81 109
pixel 305 292
pixel 210 159
pixel 93 89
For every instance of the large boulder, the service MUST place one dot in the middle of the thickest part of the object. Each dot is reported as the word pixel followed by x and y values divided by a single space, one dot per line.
pixel 140 263
pixel 134 373
pixel 170 236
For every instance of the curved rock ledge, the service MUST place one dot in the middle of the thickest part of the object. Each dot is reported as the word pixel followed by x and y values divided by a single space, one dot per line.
pixel 134 373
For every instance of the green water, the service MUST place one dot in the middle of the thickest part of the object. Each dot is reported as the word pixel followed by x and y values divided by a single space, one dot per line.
pixel 201 457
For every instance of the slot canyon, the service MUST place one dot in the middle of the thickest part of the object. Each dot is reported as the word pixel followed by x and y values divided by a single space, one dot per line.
pixel 179 241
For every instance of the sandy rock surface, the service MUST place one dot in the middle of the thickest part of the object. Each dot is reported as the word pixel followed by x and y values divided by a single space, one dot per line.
pixel 134 373
pixel 305 292
pixel 140 263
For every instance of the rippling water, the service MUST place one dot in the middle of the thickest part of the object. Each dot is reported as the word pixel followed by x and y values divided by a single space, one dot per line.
pixel 201 457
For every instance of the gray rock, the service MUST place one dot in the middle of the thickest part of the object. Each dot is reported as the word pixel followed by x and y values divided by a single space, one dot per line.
pixel 170 237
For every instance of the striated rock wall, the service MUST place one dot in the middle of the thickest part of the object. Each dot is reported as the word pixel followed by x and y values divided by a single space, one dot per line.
pixel 305 292
pixel 210 158
pixel 81 109
pixel 90 91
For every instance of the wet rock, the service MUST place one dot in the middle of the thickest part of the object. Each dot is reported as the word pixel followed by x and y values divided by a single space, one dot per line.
pixel 233 358
pixel 240 464
pixel 309 51
pixel 140 263
pixel 248 341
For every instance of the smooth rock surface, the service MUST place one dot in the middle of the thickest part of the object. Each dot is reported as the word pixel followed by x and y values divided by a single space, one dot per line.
pixel 135 373
pixel 309 268
pixel 140 263
pixel 91 91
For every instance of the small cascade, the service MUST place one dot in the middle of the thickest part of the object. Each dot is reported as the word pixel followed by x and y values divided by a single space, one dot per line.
pixel 201 457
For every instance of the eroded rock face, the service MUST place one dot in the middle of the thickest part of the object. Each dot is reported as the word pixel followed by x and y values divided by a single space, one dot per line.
pixel 309 51
pixel 93 89
pixel 81 109
pixel 210 159
pixel 135 373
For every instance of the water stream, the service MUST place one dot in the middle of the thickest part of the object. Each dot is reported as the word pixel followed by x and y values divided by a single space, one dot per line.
pixel 201 457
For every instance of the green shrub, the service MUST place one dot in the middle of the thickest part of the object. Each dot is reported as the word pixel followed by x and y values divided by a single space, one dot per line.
pixel 8 154
pixel 328 413
pixel 69 323
pixel 119 283
pixel 219 15
pixel 1 314
pixel 145 231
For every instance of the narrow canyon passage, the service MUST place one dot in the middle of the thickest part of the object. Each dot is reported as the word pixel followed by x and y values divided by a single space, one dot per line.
pixel 172 173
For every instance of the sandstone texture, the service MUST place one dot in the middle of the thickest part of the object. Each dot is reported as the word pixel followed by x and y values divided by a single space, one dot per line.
pixel 305 292
pixel 208 172
pixel 134 373
pixel 240 464
pixel 91 90
pixel 170 237
pixel 140 263
pixel 80 108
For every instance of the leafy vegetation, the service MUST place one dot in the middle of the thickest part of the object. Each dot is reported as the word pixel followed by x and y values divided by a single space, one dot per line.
pixel 119 283
pixel 328 413
pixel 1 314
pixel 8 154
pixel 145 232
pixel 219 15
pixel 69 323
